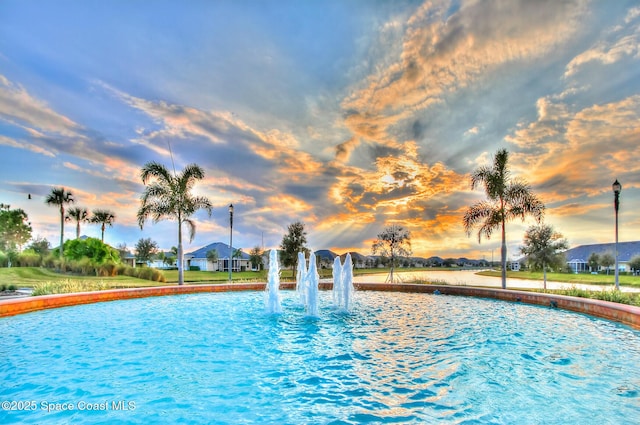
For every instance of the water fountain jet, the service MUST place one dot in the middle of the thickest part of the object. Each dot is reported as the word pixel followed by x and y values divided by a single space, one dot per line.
pixel 301 279
pixel 312 279
pixel 272 302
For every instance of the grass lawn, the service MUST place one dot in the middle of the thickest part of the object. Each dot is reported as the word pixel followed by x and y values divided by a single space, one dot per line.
pixel 591 279
pixel 261 276
pixel 28 277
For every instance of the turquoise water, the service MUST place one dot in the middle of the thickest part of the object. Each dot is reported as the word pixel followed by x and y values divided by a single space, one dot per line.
pixel 397 358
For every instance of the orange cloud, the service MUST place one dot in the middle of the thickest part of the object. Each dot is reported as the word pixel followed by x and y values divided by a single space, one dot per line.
pixel 443 53
pixel 570 160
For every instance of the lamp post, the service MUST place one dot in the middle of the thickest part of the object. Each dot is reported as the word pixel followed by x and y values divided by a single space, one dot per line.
pixel 230 240
pixel 617 188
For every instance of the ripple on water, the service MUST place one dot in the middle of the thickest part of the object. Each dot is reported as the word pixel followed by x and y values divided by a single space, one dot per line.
pixel 397 358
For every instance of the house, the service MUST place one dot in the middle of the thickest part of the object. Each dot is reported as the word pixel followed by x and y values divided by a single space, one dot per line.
pixel 198 258
pixel 358 260
pixel 325 258
pixel 163 260
pixel 578 257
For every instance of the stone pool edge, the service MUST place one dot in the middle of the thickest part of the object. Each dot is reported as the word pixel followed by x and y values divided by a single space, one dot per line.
pixel 626 314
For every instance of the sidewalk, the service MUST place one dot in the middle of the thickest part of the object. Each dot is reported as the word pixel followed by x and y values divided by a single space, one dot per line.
pixel 470 278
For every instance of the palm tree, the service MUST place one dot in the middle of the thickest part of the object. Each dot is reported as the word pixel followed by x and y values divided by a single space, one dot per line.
pixel 169 196
pixel 59 197
pixel 508 199
pixel 78 214
pixel 103 217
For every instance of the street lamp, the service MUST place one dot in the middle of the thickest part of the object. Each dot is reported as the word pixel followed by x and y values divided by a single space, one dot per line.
pixel 617 188
pixel 230 239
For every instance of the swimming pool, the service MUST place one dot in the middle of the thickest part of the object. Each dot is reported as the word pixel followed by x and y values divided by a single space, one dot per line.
pixel 397 358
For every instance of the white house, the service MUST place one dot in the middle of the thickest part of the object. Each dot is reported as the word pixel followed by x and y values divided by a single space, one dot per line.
pixel 198 258
pixel 578 257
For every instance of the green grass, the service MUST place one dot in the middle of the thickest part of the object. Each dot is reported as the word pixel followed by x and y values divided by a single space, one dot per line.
pixel 261 276
pixel 610 295
pixel 45 281
pixel 29 277
pixel 571 278
pixel 214 277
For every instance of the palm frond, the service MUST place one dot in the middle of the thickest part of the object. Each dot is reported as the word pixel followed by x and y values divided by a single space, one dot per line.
pixel 154 169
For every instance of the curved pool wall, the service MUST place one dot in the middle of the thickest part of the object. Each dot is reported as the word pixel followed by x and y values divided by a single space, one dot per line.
pixel 219 358
pixel 626 314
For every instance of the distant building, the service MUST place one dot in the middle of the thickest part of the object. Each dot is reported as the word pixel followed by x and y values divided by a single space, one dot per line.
pixel 578 257
pixel 198 258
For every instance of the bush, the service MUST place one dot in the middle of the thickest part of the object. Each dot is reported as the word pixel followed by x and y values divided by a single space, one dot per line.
pixel 28 258
pixel 108 269
pixel 158 276
pixel 68 286
pixel 4 259
pixel 612 295
pixel 83 267
pixel 92 248
pixel 49 261
pixel 144 273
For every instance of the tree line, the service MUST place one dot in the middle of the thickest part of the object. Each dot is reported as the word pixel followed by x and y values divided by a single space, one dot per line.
pixel 168 196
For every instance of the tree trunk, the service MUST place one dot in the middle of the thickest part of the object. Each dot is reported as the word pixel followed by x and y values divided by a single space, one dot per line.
pixel 544 272
pixel 503 256
pixel 61 229
pixel 180 262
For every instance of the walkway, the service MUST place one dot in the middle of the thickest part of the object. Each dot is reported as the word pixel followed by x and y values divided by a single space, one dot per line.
pixel 470 278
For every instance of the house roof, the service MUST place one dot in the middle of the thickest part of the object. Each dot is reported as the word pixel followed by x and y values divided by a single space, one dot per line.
pixel 325 254
pixel 626 251
pixel 355 256
pixel 221 248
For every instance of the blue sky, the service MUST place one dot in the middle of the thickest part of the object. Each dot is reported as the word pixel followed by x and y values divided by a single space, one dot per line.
pixel 346 115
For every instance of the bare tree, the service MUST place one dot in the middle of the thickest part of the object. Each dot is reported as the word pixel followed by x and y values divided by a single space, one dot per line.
pixel 393 243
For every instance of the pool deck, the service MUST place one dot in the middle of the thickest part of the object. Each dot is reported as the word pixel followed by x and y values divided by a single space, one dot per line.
pixel 626 314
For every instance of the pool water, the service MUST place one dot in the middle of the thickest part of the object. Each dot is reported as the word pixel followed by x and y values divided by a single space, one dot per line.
pixel 396 358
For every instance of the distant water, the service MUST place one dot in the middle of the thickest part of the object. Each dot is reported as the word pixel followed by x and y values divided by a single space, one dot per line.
pixel 396 358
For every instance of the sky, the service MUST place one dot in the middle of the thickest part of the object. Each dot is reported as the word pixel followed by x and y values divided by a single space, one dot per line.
pixel 346 115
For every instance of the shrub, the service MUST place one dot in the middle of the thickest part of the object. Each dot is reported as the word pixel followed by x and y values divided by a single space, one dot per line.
pixel 109 269
pixel 4 259
pixel 612 295
pixel 12 287
pixel 68 286
pixel 158 276
pixel 49 261
pixel 83 267
pixel 92 248
pixel 28 258
pixel 144 273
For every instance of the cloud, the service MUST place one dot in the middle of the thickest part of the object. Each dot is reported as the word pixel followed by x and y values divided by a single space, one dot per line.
pixel 443 53
pixel 400 184
pixel 578 152
pixel 623 42
pixel 20 108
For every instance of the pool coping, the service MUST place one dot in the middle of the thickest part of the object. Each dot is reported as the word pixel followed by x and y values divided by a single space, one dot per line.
pixel 623 313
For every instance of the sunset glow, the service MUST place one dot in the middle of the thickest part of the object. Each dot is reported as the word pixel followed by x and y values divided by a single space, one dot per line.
pixel 346 115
